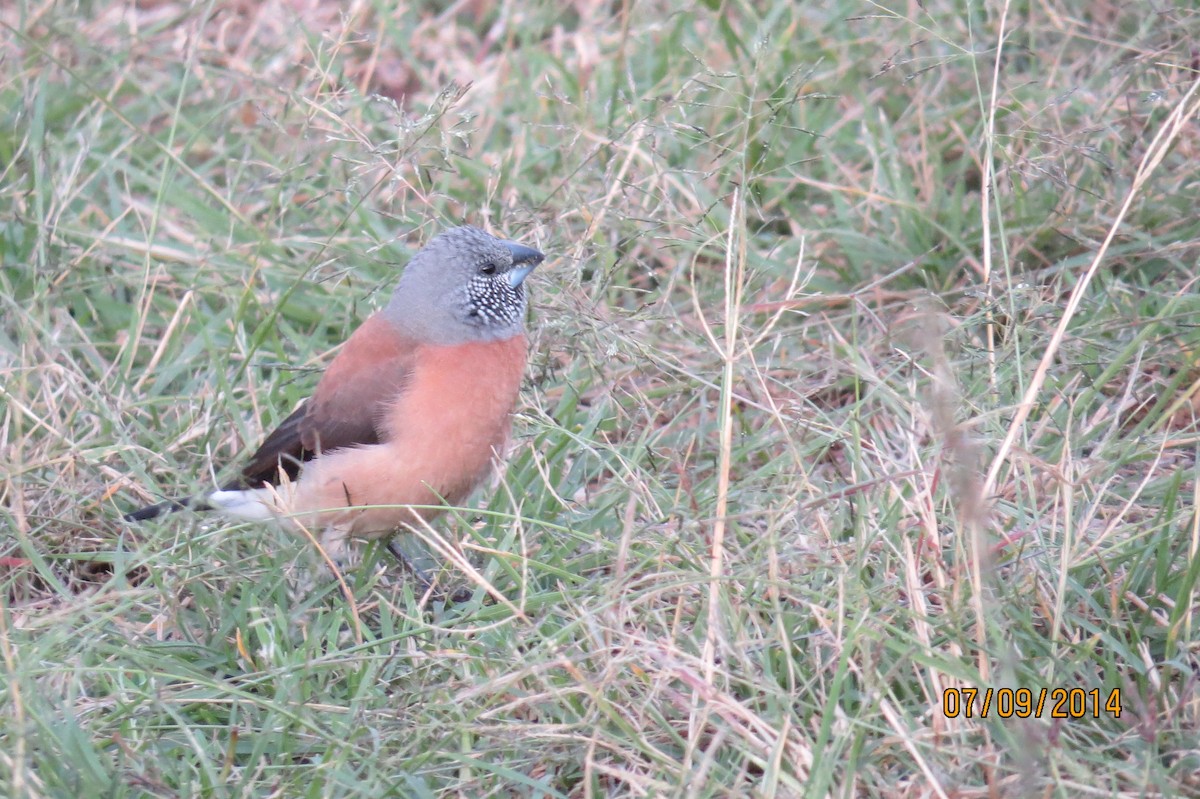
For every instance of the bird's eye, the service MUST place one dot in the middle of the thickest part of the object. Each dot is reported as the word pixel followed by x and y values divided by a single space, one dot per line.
pixel 488 269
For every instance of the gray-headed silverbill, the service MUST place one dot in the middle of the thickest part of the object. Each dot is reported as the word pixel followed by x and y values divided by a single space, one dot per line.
pixel 412 411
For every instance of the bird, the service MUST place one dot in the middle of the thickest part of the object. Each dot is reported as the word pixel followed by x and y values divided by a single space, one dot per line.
pixel 411 414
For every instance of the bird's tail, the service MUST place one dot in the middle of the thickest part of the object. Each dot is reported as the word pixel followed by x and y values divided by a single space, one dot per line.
pixel 195 503
pixel 169 506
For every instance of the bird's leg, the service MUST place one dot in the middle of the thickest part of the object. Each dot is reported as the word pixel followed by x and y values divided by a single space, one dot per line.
pixel 422 576
pixel 335 542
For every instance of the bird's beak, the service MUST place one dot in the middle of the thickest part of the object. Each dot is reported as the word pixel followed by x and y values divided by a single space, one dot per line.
pixel 524 259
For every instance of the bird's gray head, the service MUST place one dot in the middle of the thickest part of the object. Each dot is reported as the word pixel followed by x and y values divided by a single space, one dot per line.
pixel 464 285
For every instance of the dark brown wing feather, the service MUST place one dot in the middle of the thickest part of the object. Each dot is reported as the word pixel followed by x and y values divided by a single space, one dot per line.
pixel 282 448
pixel 346 408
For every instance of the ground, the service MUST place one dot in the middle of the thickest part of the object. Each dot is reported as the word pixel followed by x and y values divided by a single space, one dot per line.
pixel 863 377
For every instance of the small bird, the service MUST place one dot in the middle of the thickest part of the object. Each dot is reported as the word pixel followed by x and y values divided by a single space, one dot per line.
pixel 411 412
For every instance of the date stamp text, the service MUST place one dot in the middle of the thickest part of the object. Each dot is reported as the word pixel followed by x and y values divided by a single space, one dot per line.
pixel 1024 703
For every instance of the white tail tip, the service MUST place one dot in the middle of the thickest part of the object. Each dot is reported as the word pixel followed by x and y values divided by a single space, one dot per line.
pixel 255 504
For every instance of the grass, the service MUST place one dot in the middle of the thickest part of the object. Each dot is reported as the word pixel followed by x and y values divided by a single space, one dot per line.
pixel 864 374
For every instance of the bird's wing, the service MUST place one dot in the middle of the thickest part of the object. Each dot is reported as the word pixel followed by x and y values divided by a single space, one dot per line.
pixel 347 407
